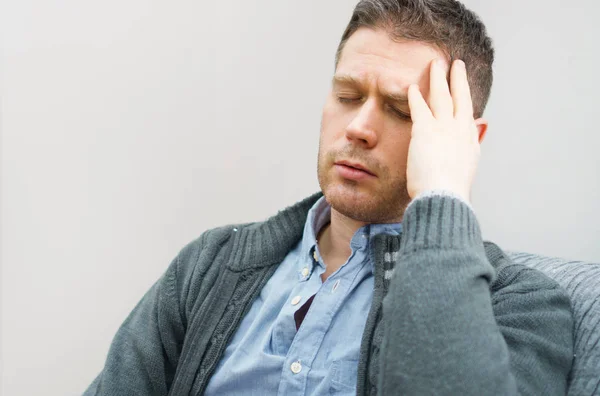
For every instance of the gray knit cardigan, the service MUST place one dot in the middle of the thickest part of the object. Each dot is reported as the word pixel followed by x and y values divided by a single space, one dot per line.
pixel 451 314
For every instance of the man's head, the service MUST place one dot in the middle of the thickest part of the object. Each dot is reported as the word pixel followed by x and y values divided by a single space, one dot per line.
pixel 387 46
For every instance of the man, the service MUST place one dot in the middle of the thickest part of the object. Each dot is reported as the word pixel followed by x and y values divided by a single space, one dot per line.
pixel 381 284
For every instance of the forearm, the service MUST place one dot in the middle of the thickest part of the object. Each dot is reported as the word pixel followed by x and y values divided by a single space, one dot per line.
pixel 440 334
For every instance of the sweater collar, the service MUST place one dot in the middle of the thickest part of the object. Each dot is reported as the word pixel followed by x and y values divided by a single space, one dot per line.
pixel 267 243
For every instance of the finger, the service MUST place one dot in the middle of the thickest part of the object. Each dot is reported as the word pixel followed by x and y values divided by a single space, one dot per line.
pixel 419 110
pixel 461 93
pixel 440 100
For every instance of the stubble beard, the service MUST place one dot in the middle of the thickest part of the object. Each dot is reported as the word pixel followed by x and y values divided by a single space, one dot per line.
pixel 382 200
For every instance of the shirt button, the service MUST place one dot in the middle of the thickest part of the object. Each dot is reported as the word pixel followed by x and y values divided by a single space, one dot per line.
pixel 305 271
pixel 296 300
pixel 315 255
pixel 296 367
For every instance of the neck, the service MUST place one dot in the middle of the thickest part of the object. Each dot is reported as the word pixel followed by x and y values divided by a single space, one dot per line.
pixel 334 241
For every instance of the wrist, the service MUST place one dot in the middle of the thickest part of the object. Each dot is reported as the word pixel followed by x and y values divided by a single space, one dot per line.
pixel 442 192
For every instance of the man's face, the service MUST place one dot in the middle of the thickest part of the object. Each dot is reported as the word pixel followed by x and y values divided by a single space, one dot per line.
pixel 363 125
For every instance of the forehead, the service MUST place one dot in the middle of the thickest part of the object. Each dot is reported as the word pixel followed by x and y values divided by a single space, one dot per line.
pixel 370 56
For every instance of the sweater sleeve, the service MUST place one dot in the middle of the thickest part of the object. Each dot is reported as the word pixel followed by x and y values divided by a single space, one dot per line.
pixel 442 332
pixel 144 352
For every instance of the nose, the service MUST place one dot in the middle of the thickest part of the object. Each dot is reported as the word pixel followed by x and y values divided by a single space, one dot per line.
pixel 362 129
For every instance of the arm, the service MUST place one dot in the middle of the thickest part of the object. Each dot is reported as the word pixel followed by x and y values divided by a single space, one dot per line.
pixel 443 334
pixel 144 353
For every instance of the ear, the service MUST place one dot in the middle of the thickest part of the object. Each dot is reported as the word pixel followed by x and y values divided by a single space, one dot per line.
pixel 482 126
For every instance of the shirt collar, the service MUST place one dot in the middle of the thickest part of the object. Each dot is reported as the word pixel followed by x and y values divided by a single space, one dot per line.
pixel 319 215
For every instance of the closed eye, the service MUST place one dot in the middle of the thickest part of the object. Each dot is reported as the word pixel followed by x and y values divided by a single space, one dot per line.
pixel 403 116
pixel 347 100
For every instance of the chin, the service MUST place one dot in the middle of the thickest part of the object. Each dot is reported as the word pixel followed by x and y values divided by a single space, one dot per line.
pixel 358 203
pixel 377 201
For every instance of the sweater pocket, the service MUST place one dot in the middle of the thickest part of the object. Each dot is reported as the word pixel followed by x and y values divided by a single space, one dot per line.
pixel 343 377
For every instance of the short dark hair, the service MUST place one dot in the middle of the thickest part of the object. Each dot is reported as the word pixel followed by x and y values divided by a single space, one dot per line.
pixel 446 24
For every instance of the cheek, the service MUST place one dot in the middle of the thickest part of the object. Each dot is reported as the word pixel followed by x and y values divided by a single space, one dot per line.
pixel 332 124
pixel 396 147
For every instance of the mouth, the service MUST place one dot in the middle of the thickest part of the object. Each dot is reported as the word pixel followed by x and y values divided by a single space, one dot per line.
pixel 355 165
pixel 353 170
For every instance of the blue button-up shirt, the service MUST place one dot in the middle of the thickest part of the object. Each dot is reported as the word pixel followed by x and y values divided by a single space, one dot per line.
pixel 268 356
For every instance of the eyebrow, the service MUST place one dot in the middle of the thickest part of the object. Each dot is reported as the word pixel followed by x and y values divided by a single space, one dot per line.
pixel 348 79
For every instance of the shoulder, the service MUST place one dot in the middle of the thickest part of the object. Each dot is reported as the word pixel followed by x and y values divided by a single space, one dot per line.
pixel 197 255
pixel 196 267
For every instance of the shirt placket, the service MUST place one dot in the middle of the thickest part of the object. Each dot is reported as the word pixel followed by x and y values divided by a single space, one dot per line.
pixel 310 335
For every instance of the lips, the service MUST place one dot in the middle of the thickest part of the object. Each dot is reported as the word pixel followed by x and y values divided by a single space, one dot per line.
pixel 355 165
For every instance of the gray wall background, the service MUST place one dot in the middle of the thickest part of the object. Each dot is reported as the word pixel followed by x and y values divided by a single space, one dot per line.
pixel 130 126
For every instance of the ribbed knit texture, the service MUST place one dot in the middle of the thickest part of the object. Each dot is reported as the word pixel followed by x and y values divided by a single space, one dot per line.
pixel 433 328
pixel 582 281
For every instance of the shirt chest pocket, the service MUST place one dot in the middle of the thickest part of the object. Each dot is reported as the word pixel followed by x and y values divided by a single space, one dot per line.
pixel 343 377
